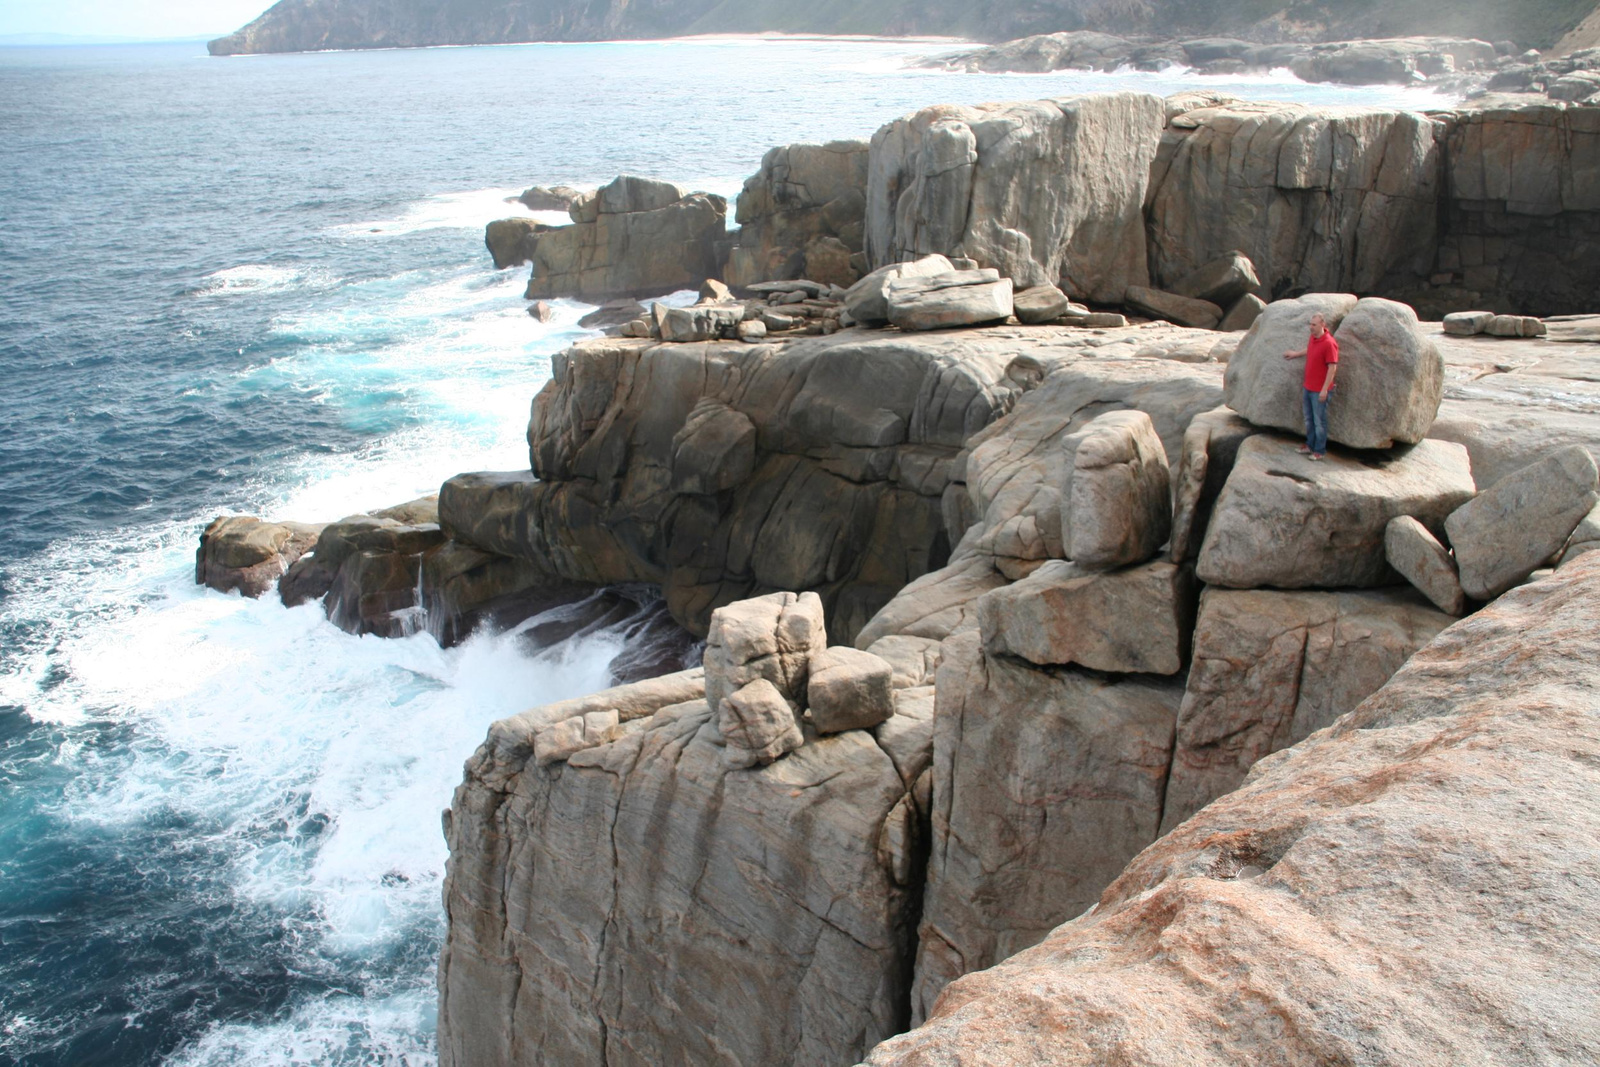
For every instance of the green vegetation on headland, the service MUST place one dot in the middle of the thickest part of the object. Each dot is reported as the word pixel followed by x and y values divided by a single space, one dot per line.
pixel 308 25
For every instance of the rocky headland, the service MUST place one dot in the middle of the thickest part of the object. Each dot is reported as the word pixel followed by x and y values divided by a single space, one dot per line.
pixel 1044 705
pixel 313 25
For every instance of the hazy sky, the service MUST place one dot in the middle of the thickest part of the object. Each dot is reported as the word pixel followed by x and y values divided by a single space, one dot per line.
pixel 128 18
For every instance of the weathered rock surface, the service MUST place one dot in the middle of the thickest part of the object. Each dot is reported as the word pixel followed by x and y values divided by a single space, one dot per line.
pixel 1420 559
pixel 549 198
pixel 1284 522
pixel 1080 762
pixel 242 552
pixel 634 236
pixel 849 690
pixel 1117 503
pixel 803 193
pixel 1517 525
pixel 1271 668
pixel 707 896
pixel 1269 908
pixel 1134 621
pixel 941 301
pixel 1047 193
pixel 701 322
pixel 854 444
pixel 757 725
pixel 1391 375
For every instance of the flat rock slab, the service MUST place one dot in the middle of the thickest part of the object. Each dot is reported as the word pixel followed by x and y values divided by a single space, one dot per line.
pixel 1137 621
pixel 1183 310
pixel 1516 525
pixel 1286 522
pixel 1271 668
pixel 1420 559
pixel 944 301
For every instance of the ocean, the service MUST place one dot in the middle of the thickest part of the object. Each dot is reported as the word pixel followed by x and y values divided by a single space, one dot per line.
pixel 259 285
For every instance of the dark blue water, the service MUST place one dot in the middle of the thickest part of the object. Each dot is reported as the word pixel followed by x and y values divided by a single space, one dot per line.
pixel 259 284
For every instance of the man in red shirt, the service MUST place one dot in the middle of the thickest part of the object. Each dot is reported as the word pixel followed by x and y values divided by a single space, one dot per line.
pixel 1321 354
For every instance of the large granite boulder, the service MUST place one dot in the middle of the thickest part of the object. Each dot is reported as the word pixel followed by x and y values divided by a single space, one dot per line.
pixel 245 553
pixel 1522 522
pixel 1016 471
pixel 1263 386
pixel 1133 621
pixel 1081 764
pixel 1046 192
pixel 804 196
pixel 632 237
pixel 1116 507
pixel 1414 885
pixel 757 725
pixel 956 298
pixel 1391 376
pixel 1285 522
pixel 1272 668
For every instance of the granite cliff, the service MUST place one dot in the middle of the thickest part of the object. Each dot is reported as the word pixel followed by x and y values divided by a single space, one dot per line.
pixel 1052 708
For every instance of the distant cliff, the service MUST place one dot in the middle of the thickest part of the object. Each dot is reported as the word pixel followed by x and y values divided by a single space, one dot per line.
pixel 311 25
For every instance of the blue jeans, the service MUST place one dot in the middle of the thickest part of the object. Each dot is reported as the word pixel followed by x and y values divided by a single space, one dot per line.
pixel 1316 410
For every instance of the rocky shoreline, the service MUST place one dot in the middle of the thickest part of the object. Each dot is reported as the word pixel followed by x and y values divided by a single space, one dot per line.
pixel 1052 708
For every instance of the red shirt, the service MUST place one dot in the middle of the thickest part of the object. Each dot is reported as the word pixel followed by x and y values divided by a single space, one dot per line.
pixel 1320 351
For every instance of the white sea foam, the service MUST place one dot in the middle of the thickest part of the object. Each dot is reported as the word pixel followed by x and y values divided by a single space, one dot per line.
pixel 466 210
pixel 334 1031
pixel 255 278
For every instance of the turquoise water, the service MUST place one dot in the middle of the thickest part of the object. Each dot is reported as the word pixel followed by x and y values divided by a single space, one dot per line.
pixel 259 285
